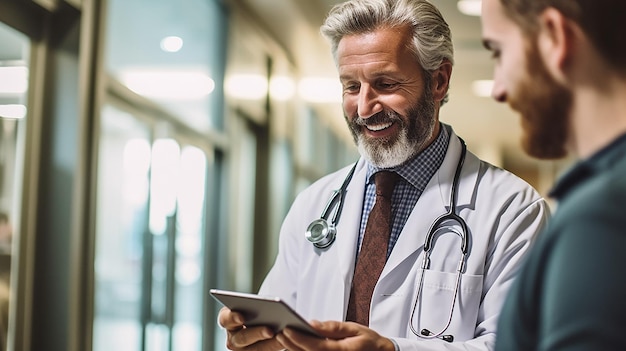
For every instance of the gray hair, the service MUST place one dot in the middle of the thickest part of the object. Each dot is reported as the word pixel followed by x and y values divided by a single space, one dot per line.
pixel 432 41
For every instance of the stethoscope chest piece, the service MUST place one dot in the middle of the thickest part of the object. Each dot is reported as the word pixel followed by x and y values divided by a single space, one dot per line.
pixel 321 233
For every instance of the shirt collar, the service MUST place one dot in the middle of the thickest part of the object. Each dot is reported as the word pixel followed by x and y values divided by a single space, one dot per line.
pixel 585 169
pixel 418 170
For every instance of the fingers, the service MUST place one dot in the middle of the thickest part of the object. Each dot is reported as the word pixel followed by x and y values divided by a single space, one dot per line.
pixel 296 341
pixel 331 331
pixel 251 336
pixel 337 330
pixel 230 320
pixel 337 336
pixel 256 338
pixel 239 337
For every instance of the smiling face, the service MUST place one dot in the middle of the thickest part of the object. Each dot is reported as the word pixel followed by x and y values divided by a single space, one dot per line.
pixel 388 99
pixel 522 80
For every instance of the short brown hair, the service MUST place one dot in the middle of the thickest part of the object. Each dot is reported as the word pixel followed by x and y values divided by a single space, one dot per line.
pixel 603 21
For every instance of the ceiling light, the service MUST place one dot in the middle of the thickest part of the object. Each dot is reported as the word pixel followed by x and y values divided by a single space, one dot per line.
pixel 246 86
pixel 282 88
pixel 12 111
pixel 469 7
pixel 482 88
pixel 171 44
pixel 13 80
pixel 323 90
pixel 169 84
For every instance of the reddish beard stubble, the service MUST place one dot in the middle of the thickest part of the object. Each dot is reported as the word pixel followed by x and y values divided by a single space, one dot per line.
pixel 544 106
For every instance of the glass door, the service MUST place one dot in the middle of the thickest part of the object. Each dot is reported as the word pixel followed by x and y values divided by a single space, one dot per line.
pixel 121 226
pixel 149 239
pixel 14 72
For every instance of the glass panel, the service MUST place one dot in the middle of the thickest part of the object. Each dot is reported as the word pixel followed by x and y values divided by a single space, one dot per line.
pixel 242 214
pixel 163 191
pixel 187 332
pixel 173 56
pixel 149 246
pixel 14 57
pixel 121 223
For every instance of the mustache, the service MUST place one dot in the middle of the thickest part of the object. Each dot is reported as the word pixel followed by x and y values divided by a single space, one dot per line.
pixel 378 118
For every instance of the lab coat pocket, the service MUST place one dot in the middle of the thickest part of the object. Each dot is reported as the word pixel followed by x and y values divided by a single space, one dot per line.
pixel 437 305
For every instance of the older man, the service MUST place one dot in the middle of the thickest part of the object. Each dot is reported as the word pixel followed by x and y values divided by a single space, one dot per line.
pixel 397 276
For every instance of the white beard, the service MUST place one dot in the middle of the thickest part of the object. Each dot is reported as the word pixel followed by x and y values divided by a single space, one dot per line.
pixel 394 155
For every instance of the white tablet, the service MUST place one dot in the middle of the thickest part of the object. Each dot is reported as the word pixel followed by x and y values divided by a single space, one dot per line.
pixel 262 310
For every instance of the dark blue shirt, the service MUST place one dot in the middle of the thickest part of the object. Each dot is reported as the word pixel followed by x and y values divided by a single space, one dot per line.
pixel 570 293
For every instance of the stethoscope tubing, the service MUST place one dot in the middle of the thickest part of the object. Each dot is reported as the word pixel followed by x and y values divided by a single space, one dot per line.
pixel 322 234
pixel 428 246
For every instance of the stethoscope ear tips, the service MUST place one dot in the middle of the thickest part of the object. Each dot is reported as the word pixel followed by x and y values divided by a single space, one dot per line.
pixel 447 337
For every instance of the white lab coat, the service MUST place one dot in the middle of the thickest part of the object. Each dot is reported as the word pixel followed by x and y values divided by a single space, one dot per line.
pixel 503 214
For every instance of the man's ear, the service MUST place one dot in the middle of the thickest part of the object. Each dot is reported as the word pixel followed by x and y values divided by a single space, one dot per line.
pixel 556 42
pixel 441 80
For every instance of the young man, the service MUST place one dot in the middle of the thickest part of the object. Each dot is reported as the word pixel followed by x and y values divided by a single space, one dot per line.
pixel 562 65
pixel 394 59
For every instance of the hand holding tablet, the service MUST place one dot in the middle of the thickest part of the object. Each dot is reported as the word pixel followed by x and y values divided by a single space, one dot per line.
pixel 263 311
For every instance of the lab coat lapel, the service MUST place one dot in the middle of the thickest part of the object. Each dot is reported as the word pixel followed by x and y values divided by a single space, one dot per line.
pixel 429 206
pixel 433 203
pixel 348 227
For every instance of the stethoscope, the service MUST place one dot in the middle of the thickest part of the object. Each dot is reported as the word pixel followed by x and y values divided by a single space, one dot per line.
pixel 322 234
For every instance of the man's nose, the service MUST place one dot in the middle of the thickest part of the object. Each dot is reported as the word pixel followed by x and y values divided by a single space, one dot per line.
pixel 498 91
pixel 369 103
